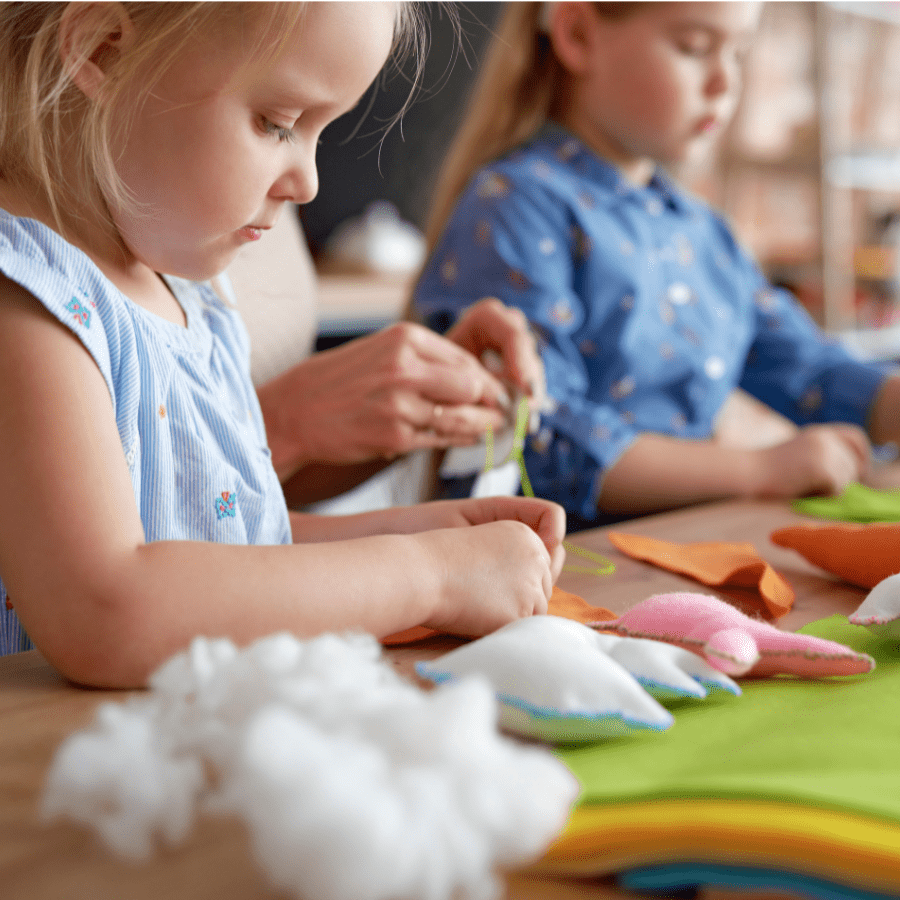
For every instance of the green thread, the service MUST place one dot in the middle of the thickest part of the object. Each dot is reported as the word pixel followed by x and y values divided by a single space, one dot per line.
pixel 606 566
pixel 517 453
pixel 489 450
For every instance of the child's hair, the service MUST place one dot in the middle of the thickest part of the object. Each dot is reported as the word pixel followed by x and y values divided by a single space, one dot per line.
pixel 517 91
pixel 46 122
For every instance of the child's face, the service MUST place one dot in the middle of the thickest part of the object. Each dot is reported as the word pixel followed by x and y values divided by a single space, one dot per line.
pixel 218 150
pixel 661 81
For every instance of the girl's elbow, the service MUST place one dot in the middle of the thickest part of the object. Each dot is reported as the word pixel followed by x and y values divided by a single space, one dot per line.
pixel 103 646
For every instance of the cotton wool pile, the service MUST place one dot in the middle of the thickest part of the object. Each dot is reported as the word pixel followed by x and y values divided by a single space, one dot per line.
pixel 354 783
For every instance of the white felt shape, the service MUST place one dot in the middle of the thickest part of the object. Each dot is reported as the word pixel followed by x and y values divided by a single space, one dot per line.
pixel 880 611
pixel 462 461
pixel 502 481
pixel 665 671
pixel 353 783
pixel 554 681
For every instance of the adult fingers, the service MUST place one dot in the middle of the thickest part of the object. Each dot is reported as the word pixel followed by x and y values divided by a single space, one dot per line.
pixel 434 425
pixel 491 325
pixel 445 372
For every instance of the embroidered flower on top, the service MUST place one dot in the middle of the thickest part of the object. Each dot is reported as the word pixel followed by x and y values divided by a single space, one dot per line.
pixel 79 309
pixel 226 504
pixel 561 312
pixel 765 300
pixel 567 150
pixel 450 268
pixel 483 234
pixel 492 185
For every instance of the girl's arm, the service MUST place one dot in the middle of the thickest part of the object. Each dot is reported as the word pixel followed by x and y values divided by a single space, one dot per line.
pixel 106 607
pixel 884 414
pixel 659 472
pixel 546 519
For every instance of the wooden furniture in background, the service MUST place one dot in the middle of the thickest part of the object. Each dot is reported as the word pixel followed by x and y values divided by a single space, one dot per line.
pixel 354 303
pixel 810 168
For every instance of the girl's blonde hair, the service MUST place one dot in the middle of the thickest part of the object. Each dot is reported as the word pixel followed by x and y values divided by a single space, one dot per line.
pixel 517 91
pixel 46 122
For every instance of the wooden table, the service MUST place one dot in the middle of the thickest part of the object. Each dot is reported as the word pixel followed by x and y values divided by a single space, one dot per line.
pixel 38 709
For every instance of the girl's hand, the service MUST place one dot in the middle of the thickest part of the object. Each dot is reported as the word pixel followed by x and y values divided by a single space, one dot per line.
pixel 820 459
pixel 487 576
pixel 545 518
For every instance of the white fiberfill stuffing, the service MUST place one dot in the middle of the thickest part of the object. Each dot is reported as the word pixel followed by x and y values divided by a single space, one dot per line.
pixel 354 783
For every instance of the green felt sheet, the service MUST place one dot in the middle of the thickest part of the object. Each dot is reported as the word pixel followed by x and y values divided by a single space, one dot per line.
pixel 833 742
pixel 857 503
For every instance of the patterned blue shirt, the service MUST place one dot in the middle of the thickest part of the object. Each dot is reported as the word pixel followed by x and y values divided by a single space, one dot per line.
pixel 188 417
pixel 647 311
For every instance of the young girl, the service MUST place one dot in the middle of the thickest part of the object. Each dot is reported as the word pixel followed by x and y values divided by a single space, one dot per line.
pixel 648 312
pixel 141 145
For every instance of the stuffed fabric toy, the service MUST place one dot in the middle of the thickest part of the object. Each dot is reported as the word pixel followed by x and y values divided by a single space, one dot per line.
pixel 880 611
pixel 733 642
pixel 561 681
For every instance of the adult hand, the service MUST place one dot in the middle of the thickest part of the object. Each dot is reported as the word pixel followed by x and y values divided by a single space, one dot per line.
pixel 489 325
pixel 381 396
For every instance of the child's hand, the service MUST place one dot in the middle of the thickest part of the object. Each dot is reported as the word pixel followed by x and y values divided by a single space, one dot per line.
pixel 488 575
pixel 545 518
pixel 820 459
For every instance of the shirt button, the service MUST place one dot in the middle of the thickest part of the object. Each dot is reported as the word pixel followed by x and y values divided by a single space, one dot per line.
pixel 547 246
pixel 714 367
pixel 654 207
pixel 680 294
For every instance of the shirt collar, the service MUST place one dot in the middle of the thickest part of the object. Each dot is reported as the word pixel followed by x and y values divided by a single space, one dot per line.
pixel 568 148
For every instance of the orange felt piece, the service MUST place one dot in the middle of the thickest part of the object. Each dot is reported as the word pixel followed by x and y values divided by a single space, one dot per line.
pixel 713 563
pixel 863 554
pixel 562 603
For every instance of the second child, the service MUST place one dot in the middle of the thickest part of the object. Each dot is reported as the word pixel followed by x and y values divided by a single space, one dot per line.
pixel 555 199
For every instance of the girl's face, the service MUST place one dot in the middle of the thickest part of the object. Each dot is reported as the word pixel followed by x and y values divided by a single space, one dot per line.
pixel 220 146
pixel 657 84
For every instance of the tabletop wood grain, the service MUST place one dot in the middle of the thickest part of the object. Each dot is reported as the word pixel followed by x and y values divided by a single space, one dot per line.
pixel 39 709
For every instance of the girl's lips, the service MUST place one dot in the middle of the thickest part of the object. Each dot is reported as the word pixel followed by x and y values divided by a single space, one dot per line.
pixel 707 124
pixel 251 233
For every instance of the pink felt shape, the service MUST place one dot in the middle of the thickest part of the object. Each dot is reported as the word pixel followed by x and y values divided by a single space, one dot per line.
pixel 734 643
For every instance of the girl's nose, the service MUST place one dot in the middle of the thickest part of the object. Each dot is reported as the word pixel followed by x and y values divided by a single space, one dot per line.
pixel 299 180
pixel 724 76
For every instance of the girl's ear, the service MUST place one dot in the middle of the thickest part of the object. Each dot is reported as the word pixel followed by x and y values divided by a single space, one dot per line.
pixel 92 36
pixel 571 29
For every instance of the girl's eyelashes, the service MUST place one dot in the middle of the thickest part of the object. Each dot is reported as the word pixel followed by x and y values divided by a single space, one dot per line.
pixel 698 42
pixel 279 131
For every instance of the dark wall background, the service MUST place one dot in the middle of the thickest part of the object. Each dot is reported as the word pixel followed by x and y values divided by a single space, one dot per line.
pixel 402 167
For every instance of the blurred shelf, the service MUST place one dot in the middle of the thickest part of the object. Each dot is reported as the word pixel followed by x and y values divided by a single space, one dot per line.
pixel 352 303
pixel 883 11
pixel 869 171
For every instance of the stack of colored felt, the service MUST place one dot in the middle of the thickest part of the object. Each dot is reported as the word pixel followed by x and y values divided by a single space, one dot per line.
pixel 793 786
